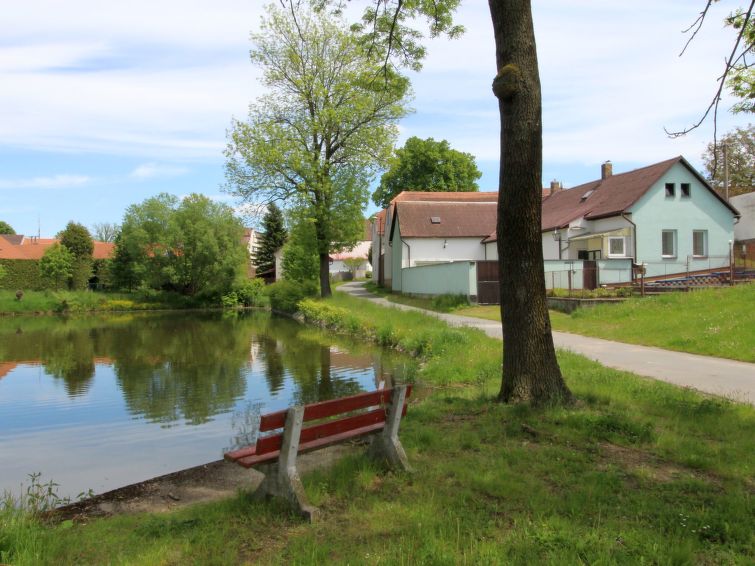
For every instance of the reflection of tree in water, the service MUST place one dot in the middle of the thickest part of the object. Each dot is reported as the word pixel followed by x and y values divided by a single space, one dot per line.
pixel 189 367
pixel 186 365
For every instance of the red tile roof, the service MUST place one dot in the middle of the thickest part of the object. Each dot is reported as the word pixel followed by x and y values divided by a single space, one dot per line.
pixel 34 248
pixel 452 196
pixel 453 220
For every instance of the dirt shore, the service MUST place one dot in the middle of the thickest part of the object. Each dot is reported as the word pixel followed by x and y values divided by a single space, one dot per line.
pixel 208 482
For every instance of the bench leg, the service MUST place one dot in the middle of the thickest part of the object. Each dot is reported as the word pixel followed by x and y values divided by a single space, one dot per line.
pixel 386 446
pixel 282 479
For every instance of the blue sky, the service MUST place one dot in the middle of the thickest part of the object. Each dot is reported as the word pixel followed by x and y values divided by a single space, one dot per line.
pixel 104 104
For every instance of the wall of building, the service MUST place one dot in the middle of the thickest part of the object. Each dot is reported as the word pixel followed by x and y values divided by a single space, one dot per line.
pixel 655 212
pixel 744 229
pixel 419 251
pixel 457 278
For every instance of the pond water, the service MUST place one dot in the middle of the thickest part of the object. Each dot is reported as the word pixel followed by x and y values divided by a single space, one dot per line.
pixel 104 401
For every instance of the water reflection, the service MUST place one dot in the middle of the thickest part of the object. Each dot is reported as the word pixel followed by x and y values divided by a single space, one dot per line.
pixel 162 391
pixel 186 367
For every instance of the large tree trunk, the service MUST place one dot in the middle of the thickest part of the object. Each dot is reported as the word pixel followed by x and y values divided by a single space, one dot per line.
pixel 325 291
pixel 530 370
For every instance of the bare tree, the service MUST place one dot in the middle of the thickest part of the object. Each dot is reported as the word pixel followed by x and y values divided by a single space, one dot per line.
pixel 105 231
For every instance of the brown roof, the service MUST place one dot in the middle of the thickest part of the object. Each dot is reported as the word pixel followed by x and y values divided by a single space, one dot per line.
pixel 35 248
pixel 446 219
pixel 609 197
pixel 440 196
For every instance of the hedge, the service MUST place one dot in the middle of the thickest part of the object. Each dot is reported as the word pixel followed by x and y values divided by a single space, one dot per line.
pixel 21 274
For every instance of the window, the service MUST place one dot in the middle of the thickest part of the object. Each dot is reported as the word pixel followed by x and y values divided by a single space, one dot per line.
pixel 670 189
pixel 616 247
pixel 699 243
pixel 685 189
pixel 668 243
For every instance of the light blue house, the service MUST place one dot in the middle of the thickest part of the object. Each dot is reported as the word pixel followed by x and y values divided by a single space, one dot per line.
pixel 664 216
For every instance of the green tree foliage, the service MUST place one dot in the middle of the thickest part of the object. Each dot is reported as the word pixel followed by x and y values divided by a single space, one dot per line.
pixel 427 165
pixel 56 266
pixel 207 239
pixel 300 258
pixel 740 155
pixel 327 123
pixel 77 239
pixel 3 273
pixel 6 228
pixel 272 239
pixel 741 81
pixel 193 246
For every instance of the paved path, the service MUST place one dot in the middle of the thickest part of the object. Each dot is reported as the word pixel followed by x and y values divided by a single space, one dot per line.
pixel 728 378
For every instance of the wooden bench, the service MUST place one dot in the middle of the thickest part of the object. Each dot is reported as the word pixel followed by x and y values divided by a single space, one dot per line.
pixel 275 454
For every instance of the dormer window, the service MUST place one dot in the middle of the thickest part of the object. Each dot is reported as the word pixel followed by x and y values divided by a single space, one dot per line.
pixel 685 189
pixel 586 195
pixel 670 189
pixel 435 219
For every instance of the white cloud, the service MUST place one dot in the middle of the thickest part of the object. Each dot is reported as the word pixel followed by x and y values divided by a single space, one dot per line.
pixel 156 170
pixel 51 182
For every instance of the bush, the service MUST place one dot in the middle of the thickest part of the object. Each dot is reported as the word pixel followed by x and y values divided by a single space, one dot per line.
pixel 230 300
pixel 285 295
pixel 251 292
pixel 449 302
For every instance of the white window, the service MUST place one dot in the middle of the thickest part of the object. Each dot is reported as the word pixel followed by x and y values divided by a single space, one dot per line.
pixel 616 247
pixel 668 243
pixel 699 243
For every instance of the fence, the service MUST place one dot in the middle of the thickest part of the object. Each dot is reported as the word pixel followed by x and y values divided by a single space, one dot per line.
pixel 583 274
pixel 684 266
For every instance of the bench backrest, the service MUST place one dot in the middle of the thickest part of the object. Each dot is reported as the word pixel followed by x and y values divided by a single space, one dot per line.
pixel 322 434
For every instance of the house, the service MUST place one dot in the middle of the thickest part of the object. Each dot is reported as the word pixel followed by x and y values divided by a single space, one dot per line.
pixel 251 240
pixel 343 262
pixel 383 230
pixel 664 216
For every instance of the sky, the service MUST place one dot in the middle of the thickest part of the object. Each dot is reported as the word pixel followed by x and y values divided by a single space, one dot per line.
pixel 105 104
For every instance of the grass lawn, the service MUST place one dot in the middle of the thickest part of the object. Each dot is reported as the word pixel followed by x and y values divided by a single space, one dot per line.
pixel 85 301
pixel 636 472
pixel 713 322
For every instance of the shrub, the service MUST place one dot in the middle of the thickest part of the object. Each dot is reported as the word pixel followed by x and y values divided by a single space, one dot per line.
pixel 285 295
pixel 230 300
pixel 250 292
pixel 449 302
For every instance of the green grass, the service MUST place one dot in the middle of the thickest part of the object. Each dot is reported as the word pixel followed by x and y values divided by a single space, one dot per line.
pixel 713 322
pixel 85 301
pixel 637 472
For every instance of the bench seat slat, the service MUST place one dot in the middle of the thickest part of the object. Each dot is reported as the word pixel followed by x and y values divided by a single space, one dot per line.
pixel 273 442
pixel 251 461
pixel 324 409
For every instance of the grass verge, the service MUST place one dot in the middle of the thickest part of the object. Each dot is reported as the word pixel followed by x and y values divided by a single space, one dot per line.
pixel 637 472
pixel 712 322
pixel 43 302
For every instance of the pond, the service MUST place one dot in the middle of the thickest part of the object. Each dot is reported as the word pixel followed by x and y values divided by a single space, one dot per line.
pixel 101 402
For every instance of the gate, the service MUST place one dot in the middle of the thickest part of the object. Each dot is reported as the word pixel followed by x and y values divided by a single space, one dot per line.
pixel 488 283
pixel 590 274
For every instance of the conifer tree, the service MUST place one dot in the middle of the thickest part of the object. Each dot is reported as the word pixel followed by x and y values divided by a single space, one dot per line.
pixel 272 239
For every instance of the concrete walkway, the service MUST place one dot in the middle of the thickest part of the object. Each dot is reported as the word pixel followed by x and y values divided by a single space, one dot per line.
pixel 727 378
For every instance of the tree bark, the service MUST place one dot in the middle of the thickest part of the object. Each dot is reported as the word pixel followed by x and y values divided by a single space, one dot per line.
pixel 325 291
pixel 530 369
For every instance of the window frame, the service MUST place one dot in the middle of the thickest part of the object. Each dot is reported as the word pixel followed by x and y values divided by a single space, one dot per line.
pixel 705 244
pixel 673 244
pixel 623 246
pixel 686 189
pixel 670 190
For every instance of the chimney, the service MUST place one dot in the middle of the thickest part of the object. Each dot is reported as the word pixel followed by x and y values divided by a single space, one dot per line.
pixel 555 186
pixel 606 170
